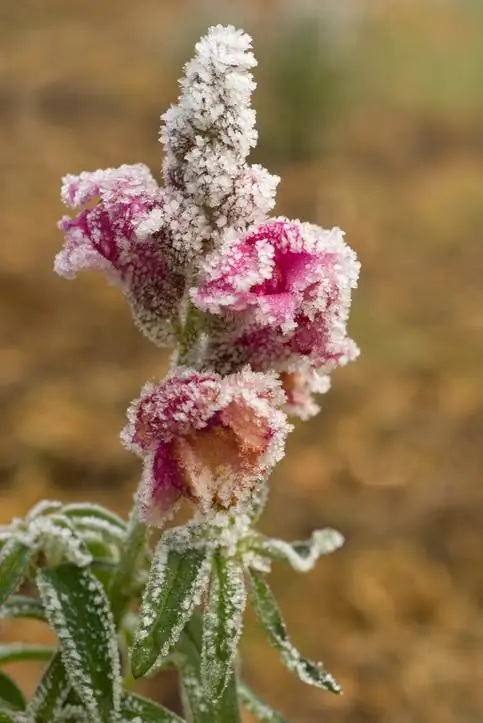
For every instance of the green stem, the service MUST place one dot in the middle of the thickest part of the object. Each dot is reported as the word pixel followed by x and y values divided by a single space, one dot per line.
pixel 190 333
pixel 131 562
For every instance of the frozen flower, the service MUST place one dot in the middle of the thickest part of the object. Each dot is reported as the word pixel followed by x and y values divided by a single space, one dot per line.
pixel 205 438
pixel 208 135
pixel 282 294
pixel 109 233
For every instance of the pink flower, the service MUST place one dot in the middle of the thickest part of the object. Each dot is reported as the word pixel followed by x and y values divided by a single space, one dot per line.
pixel 283 295
pixel 205 438
pixel 115 204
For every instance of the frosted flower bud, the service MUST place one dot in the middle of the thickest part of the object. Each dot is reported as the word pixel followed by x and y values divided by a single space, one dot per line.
pixel 115 204
pixel 205 438
pixel 282 294
pixel 208 135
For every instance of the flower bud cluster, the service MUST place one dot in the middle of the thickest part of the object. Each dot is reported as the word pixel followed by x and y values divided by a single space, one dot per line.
pixel 256 307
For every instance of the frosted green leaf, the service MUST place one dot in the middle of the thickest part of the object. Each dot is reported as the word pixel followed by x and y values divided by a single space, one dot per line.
pixel 95 518
pixel 10 694
pixel 176 583
pixel 57 538
pixel 51 692
pixel 222 624
pixel 304 554
pixel 19 652
pixel 44 507
pixel 134 707
pixel 14 560
pixel 269 615
pixel 21 606
pixel 257 707
pixel 202 708
pixel 77 608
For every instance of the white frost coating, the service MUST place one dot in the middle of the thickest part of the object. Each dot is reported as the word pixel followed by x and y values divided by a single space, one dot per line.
pixel 222 625
pixel 322 542
pixel 55 536
pixel 153 595
pixel 90 510
pixel 207 138
pixel 44 507
pixel 223 530
pixel 70 713
pixel 74 656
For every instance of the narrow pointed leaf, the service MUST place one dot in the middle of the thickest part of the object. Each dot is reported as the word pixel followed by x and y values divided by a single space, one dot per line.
pixel 44 507
pixel 96 518
pixel 77 608
pixel 10 694
pixel 269 615
pixel 20 652
pixel 21 606
pixel 222 624
pixel 176 582
pixel 134 707
pixel 257 707
pixel 14 560
pixel 51 692
pixel 304 554
pixel 202 708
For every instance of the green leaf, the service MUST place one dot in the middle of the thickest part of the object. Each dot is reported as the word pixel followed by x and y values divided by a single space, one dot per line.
pixel 10 694
pixel 269 615
pixel 18 652
pixel 51 692
pixel 77 608
pixel 202 708
pixel 176 582
pixel 91 518
pixel 257 707
pixel 135 707
pixel 21 606
pixel 87 511
pixel 14 560
pixel 222 624
pixel 302 555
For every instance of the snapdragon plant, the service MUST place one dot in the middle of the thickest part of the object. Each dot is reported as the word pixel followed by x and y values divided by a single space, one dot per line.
pixel 255 310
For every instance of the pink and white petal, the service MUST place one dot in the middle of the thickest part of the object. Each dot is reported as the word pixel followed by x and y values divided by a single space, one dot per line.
pixel 162 486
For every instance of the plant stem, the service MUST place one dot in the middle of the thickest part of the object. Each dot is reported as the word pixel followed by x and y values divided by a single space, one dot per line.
pixel 131 562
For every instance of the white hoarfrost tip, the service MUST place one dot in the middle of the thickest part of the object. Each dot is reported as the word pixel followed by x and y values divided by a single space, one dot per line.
pixel 303 555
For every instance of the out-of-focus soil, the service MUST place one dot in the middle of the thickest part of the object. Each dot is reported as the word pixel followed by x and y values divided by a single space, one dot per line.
pixel 394 459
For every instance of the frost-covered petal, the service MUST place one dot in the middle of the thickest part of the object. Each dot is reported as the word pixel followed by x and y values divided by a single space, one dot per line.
pixel 104 235
pixel 207 438
pixel 282 296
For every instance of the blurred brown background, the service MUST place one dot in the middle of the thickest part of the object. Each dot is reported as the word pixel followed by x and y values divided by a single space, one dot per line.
pixel 372 112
